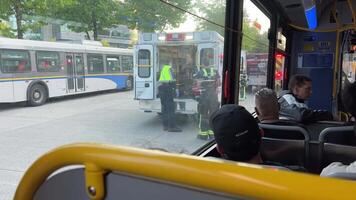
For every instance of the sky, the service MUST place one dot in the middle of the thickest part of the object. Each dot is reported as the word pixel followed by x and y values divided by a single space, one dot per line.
pixel 255 14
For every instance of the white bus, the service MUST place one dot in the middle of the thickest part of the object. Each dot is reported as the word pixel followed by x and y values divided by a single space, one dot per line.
pixel 33 71
pixel 185 51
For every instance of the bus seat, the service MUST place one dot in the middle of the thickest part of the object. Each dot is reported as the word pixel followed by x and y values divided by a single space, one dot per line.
pixel 70 185
pixel 285 144
pixel 109 172
pixel 337 144
pixel 343 175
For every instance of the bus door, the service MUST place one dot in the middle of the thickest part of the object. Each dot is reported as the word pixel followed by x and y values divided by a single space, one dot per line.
pixel 143 72
pixel 75 73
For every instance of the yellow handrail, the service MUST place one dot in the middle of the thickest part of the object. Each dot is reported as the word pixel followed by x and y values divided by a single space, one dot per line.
pixel 229 178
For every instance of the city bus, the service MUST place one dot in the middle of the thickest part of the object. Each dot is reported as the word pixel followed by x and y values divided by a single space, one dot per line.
pixel 133 158
pixel 186 52
pixel 34 71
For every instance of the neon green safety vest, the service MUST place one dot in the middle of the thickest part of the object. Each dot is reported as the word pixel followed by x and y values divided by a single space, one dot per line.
pixel 206 74
pixel 166 75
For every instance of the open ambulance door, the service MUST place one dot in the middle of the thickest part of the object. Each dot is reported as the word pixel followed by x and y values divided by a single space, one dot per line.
pixel 207 55
pixel 143 72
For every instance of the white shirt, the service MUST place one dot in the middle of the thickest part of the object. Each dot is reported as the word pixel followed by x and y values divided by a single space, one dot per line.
pixel 338 167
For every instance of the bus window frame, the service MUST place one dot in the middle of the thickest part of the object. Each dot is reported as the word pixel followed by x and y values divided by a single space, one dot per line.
pixel 37 63
pixel 119 60
pixel 102 61
pixel 132 63
pixel 16 72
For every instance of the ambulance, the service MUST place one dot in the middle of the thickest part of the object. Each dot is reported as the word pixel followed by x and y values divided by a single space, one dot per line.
pixel 185 52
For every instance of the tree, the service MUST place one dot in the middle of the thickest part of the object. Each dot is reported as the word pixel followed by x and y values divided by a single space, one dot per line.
pixel 22 10
pixel 154 15
pixel 252 40
pixel 214 12
pixel 5 30
pixel 90 15
pixel 95 16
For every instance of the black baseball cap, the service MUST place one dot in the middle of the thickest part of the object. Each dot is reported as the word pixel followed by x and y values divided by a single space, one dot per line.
pixel 236 132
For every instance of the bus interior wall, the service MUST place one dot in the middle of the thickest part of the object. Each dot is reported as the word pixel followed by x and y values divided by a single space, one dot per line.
pixel 313 55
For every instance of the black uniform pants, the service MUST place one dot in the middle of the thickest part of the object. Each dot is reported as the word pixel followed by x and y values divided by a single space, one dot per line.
pixel 208 103
pixel 166 94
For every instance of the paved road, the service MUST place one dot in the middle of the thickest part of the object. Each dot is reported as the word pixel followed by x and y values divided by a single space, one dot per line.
pixel 28 132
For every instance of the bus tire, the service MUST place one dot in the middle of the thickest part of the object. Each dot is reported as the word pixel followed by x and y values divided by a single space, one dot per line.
pixel 129 84
pixel 37 95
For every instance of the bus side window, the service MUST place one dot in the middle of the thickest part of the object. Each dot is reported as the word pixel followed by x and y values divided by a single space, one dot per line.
pixel 127 63
pixel 113 64
pixel 47 61
pixel 15 61
pixel 144 63
pixel 95 64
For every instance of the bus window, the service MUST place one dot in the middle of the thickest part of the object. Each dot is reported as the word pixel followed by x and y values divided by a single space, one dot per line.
pixel 254 49
pixel 207 57
pixel 113 64
pixel 144 63
pixel 15 61
pixel 95 64
pixel 127 63
pixel 47 61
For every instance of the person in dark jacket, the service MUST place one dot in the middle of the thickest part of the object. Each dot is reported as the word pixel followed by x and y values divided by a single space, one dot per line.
pixel 238 136
pixel 292 102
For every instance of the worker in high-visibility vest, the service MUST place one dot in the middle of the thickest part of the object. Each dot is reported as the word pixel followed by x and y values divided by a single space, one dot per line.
pixel 208 101
pixel 166 92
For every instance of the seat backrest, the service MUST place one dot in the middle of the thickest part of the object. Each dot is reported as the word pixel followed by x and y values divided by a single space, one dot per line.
pixel 111 172
pixel 285 144
pixel 337 144
pixel 70 184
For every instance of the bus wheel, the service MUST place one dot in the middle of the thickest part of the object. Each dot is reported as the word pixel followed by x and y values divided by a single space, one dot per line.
pixel 37 95
pixel 128 84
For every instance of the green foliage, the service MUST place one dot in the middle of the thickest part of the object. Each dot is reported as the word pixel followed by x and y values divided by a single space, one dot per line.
pixel 89 15
pixel 252 40
pixel 153 15
pixel 95 16
pixel 105 43
pixel 22 10
pixel 5 30
pixel 214 12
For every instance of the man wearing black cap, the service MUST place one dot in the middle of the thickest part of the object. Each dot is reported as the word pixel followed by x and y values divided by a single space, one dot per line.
pixel 237 134
pixel 238 137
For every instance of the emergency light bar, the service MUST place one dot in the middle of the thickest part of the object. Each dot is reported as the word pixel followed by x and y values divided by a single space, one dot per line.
pixel 175 36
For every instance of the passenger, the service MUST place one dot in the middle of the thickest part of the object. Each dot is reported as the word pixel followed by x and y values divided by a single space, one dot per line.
pixel 349 101
pixel 238 136
pixel 267 108
pixel 292 102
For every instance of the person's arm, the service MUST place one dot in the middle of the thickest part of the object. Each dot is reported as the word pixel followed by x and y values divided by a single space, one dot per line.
pixel 294 110
pixel 334 167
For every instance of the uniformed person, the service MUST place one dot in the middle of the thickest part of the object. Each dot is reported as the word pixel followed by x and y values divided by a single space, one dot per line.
pixel 208 101
pixel 166 92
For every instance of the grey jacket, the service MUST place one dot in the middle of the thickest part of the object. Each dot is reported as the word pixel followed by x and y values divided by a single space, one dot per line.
pixel 295 109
